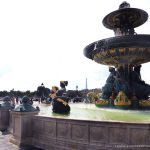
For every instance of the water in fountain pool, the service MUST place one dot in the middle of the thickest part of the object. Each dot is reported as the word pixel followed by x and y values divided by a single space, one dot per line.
pixel 82 111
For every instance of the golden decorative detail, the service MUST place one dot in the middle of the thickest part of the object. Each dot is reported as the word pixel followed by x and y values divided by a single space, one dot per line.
pixel 122 50
pixel 122 100
pixel 103 53
pixel 144 102
pixel 132 49
pixel 111 57
pixel 112 51
pixel 141 49
pixel 101 102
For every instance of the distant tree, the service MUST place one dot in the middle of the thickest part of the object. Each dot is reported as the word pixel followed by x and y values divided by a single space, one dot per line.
pixel 3 93
pixel 19 93
pixel 74 93
pixel 32 94
pixel 42 91
pixel 27 93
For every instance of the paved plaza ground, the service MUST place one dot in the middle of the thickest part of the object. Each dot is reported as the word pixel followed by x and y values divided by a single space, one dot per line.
pixel 6 145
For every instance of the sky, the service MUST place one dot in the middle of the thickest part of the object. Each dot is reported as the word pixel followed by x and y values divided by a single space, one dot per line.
pixel 42 41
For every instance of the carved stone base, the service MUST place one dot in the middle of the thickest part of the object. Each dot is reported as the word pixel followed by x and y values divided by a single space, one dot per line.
pixel 4 119
pixel 22 127
pixel 67 134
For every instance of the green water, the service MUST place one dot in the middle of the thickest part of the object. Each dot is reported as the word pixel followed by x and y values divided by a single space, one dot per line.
pixel 91 112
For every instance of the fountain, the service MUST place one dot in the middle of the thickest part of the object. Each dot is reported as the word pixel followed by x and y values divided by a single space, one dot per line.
pixel 87 127
pixel 124 53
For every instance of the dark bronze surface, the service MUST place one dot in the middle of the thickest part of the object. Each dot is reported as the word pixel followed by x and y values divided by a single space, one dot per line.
pixel 131 17
pixel 131 49
pixel 126 52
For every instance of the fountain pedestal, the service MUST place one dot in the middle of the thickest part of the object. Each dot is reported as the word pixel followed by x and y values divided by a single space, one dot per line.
pixel 5 108
pixel 4 118
pixel 22 122
pixel 22 127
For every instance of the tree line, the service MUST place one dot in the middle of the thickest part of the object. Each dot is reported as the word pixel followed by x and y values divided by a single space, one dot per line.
pixel 43 91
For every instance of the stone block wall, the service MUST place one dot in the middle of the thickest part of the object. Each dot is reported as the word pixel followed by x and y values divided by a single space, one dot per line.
pixel 67 134
pixel 29 128
pixel 22 127
pixel 4 119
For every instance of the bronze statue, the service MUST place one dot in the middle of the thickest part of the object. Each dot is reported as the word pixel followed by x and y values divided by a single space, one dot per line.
pixel 125 52
pixel 60 100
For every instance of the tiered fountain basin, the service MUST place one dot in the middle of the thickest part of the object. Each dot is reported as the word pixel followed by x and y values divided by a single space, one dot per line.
pixel 129 49
pixel 88 127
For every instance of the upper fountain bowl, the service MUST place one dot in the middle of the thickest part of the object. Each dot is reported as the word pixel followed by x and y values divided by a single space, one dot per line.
pixel 125 17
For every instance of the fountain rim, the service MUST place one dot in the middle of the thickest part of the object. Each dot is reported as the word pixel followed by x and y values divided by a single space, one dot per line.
pixel 94 121
pixel 118 42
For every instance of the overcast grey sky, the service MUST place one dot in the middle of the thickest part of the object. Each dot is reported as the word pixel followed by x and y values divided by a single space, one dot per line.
pixel 43 41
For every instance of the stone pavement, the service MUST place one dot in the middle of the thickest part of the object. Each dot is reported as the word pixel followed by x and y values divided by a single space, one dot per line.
pixel 6 145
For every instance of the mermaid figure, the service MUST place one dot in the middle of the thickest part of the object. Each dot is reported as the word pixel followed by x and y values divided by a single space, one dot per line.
pixel 60 100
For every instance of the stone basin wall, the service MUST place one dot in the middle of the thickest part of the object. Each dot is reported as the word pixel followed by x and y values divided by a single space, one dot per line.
pixel 29 128
pixel 67 134
pixel 4 119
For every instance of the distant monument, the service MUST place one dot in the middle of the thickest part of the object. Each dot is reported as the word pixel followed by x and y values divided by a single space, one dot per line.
pixel 125 53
